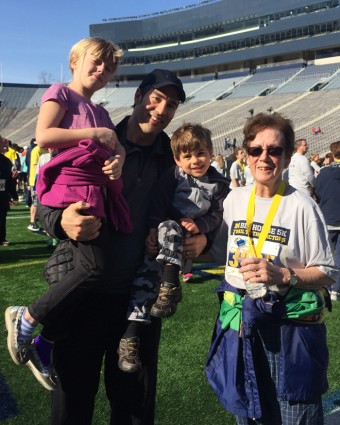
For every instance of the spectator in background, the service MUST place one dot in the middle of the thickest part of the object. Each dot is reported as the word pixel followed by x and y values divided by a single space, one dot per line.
pixel 327 188
pixel 314 158
pixel 227 143
pixel 219 164
pixel 237 169
pixel 6 188
pixel 247 173
pixel 28 200
pixel 23 171
pixel 329 158
pixel 228 160
pixel 316 131
pixel 12 155
pixel 300 172
pixel 17 168
pixel 34 158
pixel 43 160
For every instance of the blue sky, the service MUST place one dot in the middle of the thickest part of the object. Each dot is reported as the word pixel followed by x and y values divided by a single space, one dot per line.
pixel 36 36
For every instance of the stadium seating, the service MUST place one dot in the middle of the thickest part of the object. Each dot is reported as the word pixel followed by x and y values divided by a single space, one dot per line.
pixel 222 104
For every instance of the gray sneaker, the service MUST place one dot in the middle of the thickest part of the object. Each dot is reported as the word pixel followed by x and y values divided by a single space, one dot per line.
pixel 128 352
pixel 17 351
pixel 168 298
pixel 45 375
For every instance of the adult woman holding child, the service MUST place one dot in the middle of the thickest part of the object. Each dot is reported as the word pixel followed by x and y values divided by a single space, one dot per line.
pixel 268 358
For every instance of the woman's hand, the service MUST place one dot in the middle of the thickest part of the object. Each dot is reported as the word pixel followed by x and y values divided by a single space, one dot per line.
pixel 193 246
pixel 78 226
pixel 258 270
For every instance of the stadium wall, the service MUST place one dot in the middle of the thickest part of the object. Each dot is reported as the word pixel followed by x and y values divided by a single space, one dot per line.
pixel 225 35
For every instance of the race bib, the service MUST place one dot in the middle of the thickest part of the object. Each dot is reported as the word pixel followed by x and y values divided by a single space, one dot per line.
pixel 2 185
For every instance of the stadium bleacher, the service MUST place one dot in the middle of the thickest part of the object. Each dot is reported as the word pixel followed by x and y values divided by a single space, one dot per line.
pixel 225 117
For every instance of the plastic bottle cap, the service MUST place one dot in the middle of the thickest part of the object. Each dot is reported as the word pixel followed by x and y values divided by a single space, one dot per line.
pixel 240 242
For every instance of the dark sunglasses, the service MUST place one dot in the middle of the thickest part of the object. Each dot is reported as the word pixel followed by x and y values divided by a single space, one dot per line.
pixel 274 151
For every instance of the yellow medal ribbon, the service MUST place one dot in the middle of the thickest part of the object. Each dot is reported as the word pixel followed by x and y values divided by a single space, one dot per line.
pixel 268 221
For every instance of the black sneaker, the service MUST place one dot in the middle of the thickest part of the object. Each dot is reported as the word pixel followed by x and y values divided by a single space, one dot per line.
pixel 128 351
pixel 168 298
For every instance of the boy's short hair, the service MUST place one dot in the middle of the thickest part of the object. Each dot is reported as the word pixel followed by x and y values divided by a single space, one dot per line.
pixel 105 50
pixel 189 137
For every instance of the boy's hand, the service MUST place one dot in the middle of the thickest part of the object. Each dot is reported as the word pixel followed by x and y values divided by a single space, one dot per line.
pixel 189 225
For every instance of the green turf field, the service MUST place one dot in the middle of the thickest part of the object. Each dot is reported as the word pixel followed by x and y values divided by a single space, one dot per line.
pixel 184 397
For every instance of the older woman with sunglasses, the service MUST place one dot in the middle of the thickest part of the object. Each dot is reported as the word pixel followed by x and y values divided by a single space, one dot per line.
pixel 268 358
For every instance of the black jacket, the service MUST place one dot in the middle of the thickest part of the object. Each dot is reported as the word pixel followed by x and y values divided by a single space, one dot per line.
pixel 327 188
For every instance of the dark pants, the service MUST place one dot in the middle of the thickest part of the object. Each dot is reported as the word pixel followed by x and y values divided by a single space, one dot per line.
pixel 335 239
pixel 3 215
pixel 28 200
pixel 95 332
pixel 73 270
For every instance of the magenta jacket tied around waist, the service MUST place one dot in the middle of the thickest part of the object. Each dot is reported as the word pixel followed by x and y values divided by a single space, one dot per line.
pixel 76 175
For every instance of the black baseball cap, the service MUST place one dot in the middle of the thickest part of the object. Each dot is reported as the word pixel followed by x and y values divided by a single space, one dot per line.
pixel 160 78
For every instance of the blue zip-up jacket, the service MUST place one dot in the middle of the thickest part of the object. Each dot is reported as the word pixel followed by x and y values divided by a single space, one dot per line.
pixel 302 369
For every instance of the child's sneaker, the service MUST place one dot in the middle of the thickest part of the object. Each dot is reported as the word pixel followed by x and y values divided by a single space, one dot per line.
pixel 18 351
pixel 128 352
pixel 168 298
pixel 45 374
pixel 187 277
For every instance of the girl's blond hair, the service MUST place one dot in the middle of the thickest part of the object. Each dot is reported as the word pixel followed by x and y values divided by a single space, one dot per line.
pixel 105 50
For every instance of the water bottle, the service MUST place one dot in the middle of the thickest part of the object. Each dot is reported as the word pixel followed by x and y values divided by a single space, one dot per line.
pixel 254 290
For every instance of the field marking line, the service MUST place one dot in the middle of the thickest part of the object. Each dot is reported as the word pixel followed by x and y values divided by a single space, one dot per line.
pixel 11 266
